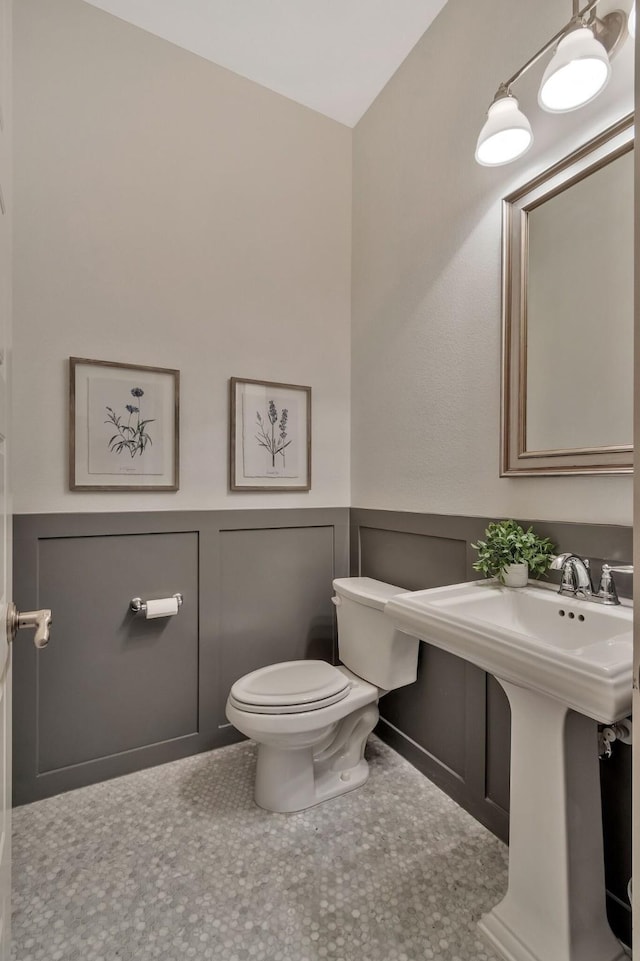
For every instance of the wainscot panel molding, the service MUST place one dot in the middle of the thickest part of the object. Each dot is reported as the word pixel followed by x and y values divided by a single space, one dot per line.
pixel 114 692
pixel 454 723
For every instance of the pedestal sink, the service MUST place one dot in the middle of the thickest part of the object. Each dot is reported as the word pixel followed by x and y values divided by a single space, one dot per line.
pixel 565 664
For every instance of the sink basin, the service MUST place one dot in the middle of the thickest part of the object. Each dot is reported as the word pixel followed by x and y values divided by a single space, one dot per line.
pixel 573 650
pixel 564 664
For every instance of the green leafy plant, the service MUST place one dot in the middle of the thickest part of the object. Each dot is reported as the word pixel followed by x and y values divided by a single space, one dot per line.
pixel 507 543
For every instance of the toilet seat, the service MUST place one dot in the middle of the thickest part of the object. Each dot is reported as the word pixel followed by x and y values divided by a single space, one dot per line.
pixel 291 687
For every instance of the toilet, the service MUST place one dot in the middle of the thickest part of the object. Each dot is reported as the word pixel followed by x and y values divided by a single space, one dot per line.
pixel 311 720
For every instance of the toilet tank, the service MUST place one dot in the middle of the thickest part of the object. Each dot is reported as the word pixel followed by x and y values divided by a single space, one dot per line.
pixel 368 643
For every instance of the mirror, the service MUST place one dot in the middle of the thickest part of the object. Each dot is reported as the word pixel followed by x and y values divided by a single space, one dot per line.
pixel 567 272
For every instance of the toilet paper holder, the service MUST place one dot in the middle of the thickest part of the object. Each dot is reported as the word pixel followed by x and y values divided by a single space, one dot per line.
pixel 138 606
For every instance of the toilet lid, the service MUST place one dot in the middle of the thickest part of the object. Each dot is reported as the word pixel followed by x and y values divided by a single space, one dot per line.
pixel 290 687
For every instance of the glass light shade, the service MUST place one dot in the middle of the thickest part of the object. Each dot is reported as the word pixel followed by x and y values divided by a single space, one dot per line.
pixel 631 22
pixel 505 136
pixel 576 74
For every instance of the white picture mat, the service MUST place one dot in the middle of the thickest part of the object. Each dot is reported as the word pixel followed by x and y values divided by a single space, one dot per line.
pixel 164 386
pixel 253 398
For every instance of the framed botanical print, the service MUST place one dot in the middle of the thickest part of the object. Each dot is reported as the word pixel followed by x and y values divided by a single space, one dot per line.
pixel 270 436
pixel 123 427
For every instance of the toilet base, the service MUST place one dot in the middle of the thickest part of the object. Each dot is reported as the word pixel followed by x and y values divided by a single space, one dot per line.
pixel 332 784
pixel 294 779
pixel 329 784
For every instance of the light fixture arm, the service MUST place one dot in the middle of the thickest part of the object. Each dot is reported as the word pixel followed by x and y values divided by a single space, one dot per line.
pixel 578 15
pixel 578 70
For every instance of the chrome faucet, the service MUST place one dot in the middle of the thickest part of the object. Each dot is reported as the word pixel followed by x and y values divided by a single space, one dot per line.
pixel 576 579
pixel 576 575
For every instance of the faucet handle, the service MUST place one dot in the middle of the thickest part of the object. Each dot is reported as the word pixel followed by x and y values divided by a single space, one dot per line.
pixel 607 590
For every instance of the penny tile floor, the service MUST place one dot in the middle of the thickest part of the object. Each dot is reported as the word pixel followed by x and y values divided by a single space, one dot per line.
pixel 177 862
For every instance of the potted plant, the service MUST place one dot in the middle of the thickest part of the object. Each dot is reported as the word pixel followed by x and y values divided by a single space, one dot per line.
pixel 512 554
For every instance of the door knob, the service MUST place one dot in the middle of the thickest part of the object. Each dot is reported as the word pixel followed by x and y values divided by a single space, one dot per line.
pixel 40 620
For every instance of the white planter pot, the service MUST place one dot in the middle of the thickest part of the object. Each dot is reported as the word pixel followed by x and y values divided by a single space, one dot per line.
pixel 516 575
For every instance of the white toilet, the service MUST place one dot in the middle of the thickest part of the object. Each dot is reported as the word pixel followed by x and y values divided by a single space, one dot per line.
pixel 311 720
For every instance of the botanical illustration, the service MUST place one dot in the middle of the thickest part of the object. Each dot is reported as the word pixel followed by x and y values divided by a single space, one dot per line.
pixel 125 432
pixel 271 444
pixel 131 438
pixel 275 439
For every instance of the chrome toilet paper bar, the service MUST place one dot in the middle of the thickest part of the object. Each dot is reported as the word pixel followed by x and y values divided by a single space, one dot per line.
pixel 172 605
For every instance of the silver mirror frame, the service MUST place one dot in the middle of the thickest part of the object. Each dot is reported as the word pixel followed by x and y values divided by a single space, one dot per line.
pixel 515 460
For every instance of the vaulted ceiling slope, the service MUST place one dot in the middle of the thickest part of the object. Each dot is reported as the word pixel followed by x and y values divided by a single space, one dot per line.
pixel 334 56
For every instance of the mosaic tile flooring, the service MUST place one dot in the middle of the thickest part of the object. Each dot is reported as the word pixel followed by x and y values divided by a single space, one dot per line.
pixel 177 862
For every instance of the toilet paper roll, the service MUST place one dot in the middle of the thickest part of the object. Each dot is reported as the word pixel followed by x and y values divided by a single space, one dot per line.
pixel 163 607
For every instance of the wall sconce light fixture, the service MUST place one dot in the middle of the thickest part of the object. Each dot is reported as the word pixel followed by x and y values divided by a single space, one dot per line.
pixel 578 70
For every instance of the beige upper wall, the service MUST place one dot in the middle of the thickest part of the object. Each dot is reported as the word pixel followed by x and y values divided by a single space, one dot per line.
pixel 171 213
pixel 426 272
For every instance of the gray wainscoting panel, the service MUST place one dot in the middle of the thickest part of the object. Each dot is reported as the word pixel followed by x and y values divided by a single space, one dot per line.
pixel 498 738
pixel 112 681
pixel 454 722
pixel 112 693
pixel 257 587
pixel 274 600
pixel 416 559
pixel 429 711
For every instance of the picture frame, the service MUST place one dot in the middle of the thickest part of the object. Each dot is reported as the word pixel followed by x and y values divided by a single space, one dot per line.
pixel 269 436
pixel 117 440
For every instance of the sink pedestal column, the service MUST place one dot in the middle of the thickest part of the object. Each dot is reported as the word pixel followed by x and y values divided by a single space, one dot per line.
pixel 554 909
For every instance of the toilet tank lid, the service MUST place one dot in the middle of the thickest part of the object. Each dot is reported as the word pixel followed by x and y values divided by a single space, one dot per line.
pixel 366 590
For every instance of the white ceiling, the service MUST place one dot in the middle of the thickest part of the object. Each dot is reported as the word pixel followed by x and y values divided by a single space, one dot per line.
pixel 334 56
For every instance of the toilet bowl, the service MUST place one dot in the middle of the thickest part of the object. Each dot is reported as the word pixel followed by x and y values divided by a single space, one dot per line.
pixel 311 720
